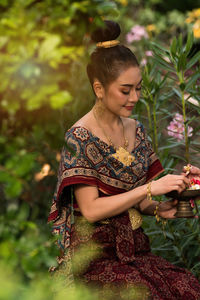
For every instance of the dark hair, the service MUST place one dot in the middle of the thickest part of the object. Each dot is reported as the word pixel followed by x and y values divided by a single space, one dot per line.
pixel 107 63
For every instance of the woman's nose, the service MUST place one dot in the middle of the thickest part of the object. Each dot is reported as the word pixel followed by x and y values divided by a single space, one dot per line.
pixel 134 96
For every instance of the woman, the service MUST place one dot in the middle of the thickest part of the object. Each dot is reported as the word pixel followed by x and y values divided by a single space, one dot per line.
pixel 107 181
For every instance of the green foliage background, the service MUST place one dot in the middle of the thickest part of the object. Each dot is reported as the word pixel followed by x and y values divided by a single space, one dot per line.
pixel 44 48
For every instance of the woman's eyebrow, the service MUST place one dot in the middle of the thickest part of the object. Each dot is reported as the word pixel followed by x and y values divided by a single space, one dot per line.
pixel 131 85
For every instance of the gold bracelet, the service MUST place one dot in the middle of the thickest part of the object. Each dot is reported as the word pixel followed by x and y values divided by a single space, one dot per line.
pixel 158 218
pixel 149 196
pixel 156 212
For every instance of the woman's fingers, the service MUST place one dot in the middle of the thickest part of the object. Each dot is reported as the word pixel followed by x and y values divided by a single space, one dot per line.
pixel 184 179
pixel 181 182
pixel 174 202
pixel 169 183
pixel 193 170
pixel 169 214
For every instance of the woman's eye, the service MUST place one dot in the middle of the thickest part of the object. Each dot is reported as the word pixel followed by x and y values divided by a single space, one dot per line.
pixel 125 93
pixel 139 88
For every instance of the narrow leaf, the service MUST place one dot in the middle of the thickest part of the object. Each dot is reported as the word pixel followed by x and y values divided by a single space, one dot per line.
pixel 163 63
pixel 189 43
pixel 173 47
pixel 193 61
pixel 180 42
pixel 192 80
pixel 158 46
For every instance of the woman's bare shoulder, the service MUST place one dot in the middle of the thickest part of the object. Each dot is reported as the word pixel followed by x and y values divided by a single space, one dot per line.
pixel 129 123
pixel 86 121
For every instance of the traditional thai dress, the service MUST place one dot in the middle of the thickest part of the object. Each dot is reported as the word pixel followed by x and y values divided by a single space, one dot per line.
pixel 113 255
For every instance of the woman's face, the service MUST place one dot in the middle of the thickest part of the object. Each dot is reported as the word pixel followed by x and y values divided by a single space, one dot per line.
pixel 122 94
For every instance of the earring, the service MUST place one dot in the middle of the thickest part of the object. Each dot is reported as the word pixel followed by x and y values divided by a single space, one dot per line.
pixel 99 107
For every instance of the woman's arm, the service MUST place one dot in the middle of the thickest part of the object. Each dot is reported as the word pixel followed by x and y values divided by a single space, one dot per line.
pixel 166 209
pixel 95 208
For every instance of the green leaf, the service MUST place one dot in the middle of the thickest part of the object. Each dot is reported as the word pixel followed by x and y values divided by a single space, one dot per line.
pixel 163 63
pixel 181 62
pixel 192 80
pixel 4 3
pixel 169 146
pixel 60 99
pixel 177 92
pixel 25 164
pixel 193 60
pixel 4 176
pixel 13 188
pixel 190 120
pixel 3 41
pixel 48 46
pixel 189 43
pixel 173 47
pixel 180 43
pixel 157 46
pixel 23 212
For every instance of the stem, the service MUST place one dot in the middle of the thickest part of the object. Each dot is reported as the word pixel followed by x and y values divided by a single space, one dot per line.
pixel 149 118
pixel 155 125
pixel 185 128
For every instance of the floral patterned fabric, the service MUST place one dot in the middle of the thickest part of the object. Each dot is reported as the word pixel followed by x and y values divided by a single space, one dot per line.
pixel 115 260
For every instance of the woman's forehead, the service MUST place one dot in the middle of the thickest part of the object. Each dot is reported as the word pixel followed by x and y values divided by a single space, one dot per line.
pixel 130 76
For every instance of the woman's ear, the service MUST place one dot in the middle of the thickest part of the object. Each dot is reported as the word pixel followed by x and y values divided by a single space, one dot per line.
pixel 98 89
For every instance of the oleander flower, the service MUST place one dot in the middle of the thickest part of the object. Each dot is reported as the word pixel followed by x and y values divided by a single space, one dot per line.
pixel 136 33
pixel 176 128
pixel 179 118
pixel 143 62
pixel 148 53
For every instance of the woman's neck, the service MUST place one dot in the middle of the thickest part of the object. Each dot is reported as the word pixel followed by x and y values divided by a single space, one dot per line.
pixel 106 118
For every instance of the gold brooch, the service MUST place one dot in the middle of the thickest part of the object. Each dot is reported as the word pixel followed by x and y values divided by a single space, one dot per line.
pixel 124 156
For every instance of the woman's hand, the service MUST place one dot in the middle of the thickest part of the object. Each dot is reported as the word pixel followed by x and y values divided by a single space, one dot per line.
pixel 169 183
pixel 167 209
pixel 194 172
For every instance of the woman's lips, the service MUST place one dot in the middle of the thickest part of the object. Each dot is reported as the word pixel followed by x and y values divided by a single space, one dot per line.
pixel 129 107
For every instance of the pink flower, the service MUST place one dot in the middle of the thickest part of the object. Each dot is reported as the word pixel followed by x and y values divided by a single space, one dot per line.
pixel 143 62
pixel 149 53
pixel 179 118
pixel 176 128
pixel 136 34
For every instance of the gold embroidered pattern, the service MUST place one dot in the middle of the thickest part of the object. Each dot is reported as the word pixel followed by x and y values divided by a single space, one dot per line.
pixel 135 218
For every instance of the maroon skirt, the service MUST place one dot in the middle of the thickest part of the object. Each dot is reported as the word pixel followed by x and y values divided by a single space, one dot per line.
pixel 116 261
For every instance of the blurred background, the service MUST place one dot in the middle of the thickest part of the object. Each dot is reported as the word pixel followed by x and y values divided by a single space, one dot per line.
pixel 44 48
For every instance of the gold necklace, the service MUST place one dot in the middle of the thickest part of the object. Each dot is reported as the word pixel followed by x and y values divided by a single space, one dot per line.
pixel 121 153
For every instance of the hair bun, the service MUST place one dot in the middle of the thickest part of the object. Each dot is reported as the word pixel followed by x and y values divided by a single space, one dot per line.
pixel 109 31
